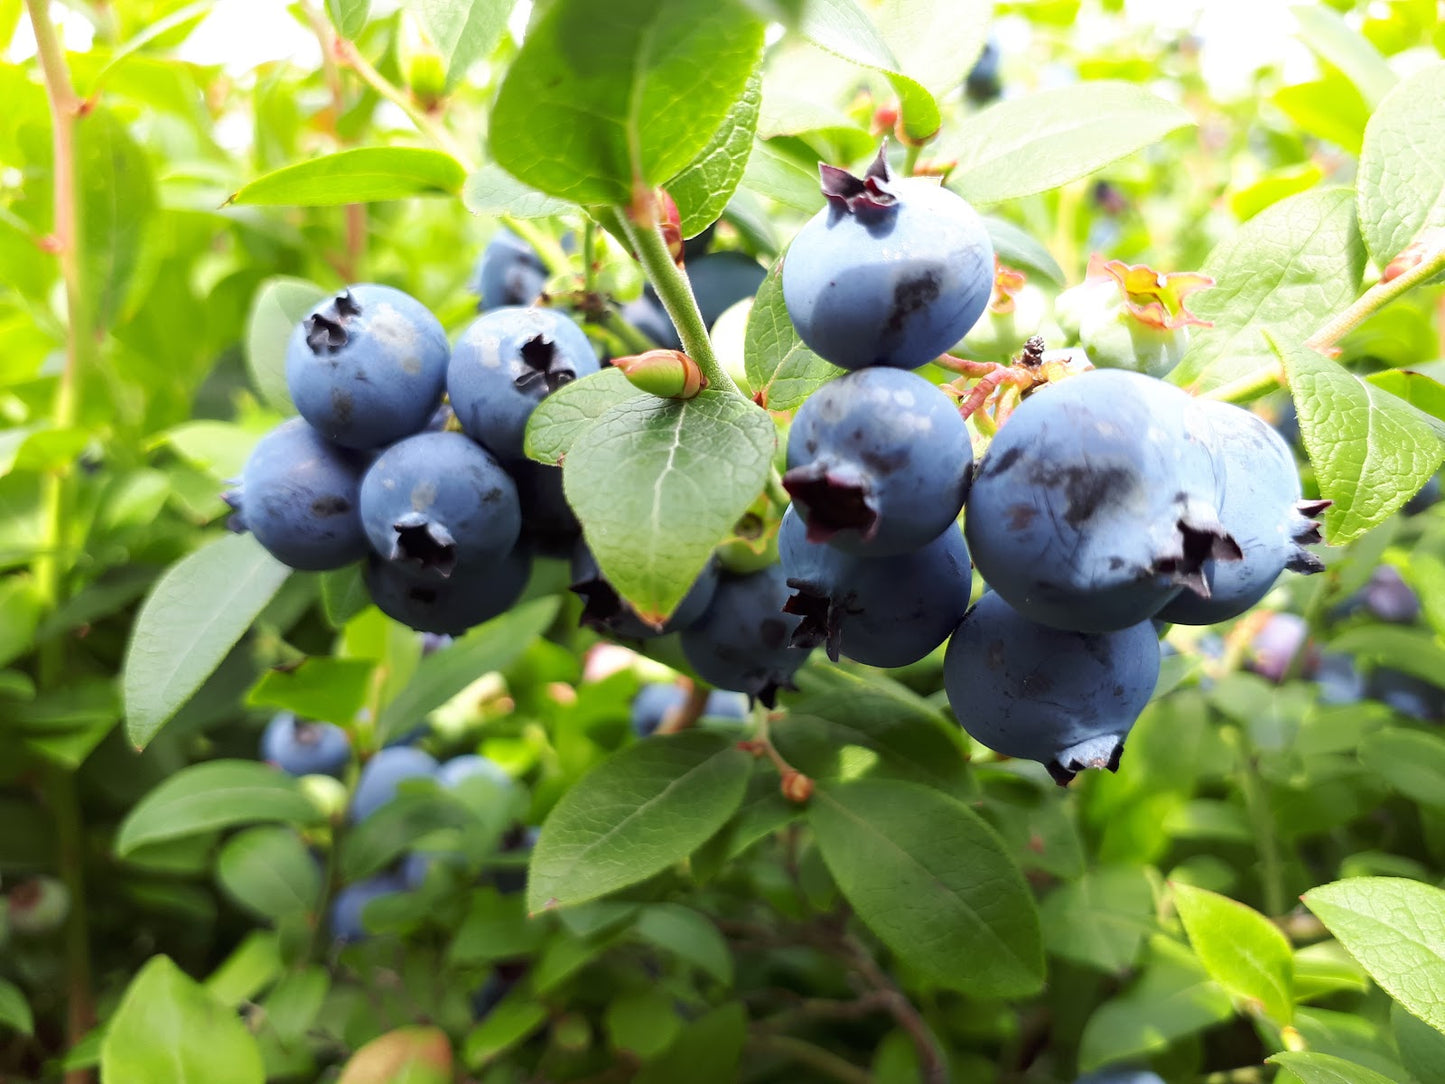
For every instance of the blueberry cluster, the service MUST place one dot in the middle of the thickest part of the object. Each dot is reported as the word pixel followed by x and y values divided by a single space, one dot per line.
pixel 1110 499
pixel 438 501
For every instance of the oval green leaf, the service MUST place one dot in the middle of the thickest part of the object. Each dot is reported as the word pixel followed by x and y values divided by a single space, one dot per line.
pixel 934 882
pixel 1241 949
pixel 573 409
pixel 278 307
pixel 168 1027
pixel 634 815
pixel 211 795
pixel 1396 929
pixel 594 108
pixel 781 369
pixel 360 175
pixel 193 617
pixel 703 188
pixel 269 872
pixel 1312 1067
pixel 1400 186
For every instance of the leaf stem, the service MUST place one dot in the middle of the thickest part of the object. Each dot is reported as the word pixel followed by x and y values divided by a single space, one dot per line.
pixel 554 258
pixel 66 109
pixel 776 493
pixel 355 213
pixel 675 292
pixel 1256 803
pixel 1266 379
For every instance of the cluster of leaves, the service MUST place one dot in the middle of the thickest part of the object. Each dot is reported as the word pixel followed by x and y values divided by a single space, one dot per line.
pixel 682 918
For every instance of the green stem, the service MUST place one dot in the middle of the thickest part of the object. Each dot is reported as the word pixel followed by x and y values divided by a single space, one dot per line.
pixel 633 339
pixel 589 256
pixel 776 493
pixel 1256 803
pixel 675 292
pixel 910 158
pixel 50 568
pixel 553 257
pixel 814 1057
pixel 1267 378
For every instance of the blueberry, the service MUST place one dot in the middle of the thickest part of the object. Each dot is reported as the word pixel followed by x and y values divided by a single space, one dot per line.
pixel 382 774
pixel 351 901
pixel 457 770
pixel 509 272
pixel 1407 694
pixel 1121 1076
pixel 467 598
pixel 722 704
pixel 455 774
pixel 608 612
pixel 1065 699
pixel 1338 679
pixel 1389 598
pixel 983 84
pixel 505 363
pixel 721 279
pixel 510 875
pixel 891 272
pixel 300 498
pixel 1096 505
pixel 653 704
pixel 1428 496
pixel 1275 644
pixel 437 502
pixel 881 611
pixel 302 748
pixel 648 316
pixel 879 462
pixel 742 641
pixel 1260 506
pixel 548 521
pixel 367 366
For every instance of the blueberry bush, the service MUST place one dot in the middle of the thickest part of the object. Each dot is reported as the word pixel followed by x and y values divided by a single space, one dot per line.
pixel 722 540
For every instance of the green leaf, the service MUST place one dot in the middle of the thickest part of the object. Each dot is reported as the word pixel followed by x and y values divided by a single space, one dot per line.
pixel 1420 391
pixel 643 1024
pixel 783 178
pixel 407 1055
pixel 15 1010
pixel 192 618
pixel 1021 250
pixel 689 935
pixel 491 190
pixel 213 794
pixel 1330 108
pixel 1244 951
pixel 1396 929
pixel 593 108
pixel 493 645
pixel 1422 1048
pixel 1371 451
pixel 348 16
pixel 935 43
pixel 463 31
pixel 417 810
pixel 269 872
pixel 707 1051
pixel 496 928
pixel 170 1028
pixel 1173 999
pixel 1100 920
pixel 360 175
pixel 842 28
pixel 635 814
pixel 343 594
pixel 781 370
pixel 705 185
pixel 277 308
pixel 1046 139
pixel 117 203
pixel 657 483
pixel 1312 1067
pixel 254 965
pixel 837 709
pixel 1286 269
pixel 1400 186
pixel 1332 40
pixel 573 409
pixel 932 880
pixel 291 1007
pixel 1411 761
pixel 514 1018
pixel 320 687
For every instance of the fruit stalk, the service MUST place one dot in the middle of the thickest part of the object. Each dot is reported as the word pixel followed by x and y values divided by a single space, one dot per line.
pixel 675 292
pixel 355 212
pixel 66 109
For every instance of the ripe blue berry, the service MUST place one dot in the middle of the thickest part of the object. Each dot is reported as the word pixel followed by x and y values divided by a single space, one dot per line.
pixel 742 641
pixel 457 770
pixel 505 363
pixel 881 611
pixel 509 272
pixel 367 366
pixel 653 704
pixel 466 598
pixel 879 462
pixel 1065 699
pixel 303 748
pixel 1259 506
pixel 1096 503
pixel 383 773
pixel 300 497
pixel 548 521
pixel 891 272
pixel 351 901
pixel 437 502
